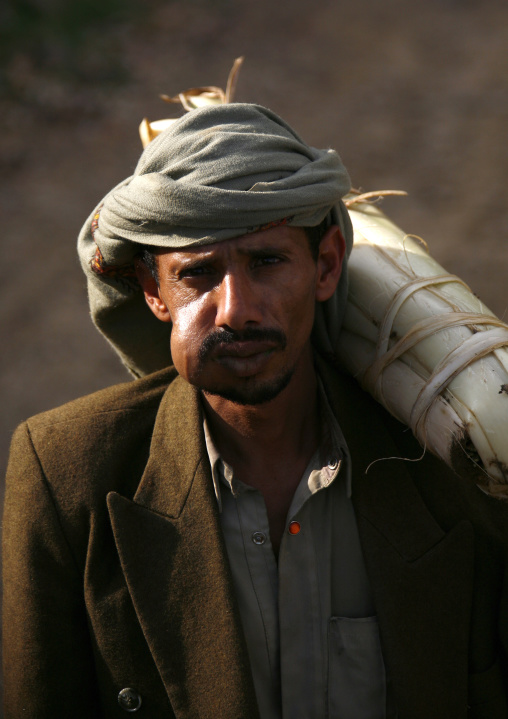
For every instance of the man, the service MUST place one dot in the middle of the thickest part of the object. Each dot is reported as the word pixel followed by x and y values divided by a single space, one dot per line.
pixel 213 540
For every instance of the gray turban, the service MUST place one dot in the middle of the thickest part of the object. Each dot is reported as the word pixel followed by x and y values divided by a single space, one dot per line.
pixel 217 173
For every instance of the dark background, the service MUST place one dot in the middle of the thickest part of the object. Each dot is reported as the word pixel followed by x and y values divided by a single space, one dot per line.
pixel 414 95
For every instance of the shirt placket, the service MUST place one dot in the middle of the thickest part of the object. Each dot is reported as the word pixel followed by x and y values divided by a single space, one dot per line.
pixel 304 597
pixel 245 525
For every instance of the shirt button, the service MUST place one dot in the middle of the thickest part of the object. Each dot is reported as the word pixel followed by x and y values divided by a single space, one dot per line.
pixel 294 527
pixel 129 700
pixel 259 538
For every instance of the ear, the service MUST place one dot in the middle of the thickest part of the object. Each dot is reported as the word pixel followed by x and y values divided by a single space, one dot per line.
pixel 151 291
pixel 332 250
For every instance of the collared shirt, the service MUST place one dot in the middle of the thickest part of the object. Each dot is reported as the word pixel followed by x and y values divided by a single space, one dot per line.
pixel 308 619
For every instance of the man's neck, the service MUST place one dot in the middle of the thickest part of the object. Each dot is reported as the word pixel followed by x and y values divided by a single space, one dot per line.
pixel 283 425
pixel 270 445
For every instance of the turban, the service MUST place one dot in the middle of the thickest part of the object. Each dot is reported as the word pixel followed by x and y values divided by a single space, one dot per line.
pixel 216 173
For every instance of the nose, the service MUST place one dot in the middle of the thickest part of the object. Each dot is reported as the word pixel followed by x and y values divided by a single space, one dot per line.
pixel 238 302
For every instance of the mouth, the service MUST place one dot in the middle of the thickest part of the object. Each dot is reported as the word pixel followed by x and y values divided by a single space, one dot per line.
pixel 242 354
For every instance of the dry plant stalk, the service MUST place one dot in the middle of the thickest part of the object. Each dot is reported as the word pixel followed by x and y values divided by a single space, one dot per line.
pixel 427 349
pixel 190 100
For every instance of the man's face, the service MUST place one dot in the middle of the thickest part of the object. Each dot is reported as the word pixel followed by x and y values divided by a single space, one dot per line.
pixel 241 310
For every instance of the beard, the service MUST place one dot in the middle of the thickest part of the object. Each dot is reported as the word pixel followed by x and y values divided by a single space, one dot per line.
pixel 247 390
pixel 253 392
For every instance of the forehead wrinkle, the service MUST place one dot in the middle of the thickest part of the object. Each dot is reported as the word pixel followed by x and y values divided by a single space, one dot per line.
pixel 272 240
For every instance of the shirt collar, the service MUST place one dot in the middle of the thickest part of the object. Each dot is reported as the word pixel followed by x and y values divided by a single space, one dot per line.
pixel 334 450
pixel 214 458
pixel 331 457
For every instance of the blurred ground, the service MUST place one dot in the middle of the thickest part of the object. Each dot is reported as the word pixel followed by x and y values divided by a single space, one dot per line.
pixel 413 95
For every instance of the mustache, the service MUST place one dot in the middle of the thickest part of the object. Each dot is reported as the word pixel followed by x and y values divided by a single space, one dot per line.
pixel 227 337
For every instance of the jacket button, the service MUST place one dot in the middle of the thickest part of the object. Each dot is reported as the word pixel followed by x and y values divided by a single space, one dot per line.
pixel 129 700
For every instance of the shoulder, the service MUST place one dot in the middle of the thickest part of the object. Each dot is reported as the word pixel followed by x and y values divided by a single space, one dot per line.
pixel 64 462
pixel 136 395
pixel 93 444
pixel 450 497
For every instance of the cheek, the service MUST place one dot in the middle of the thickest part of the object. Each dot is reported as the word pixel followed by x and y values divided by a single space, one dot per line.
pixel 301 312
pixel 187 334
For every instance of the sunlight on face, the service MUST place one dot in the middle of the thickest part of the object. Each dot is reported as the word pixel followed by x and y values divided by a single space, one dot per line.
pixel 242 312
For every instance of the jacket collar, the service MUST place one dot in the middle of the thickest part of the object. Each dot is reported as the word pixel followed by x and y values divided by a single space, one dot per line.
pixel 177 452
pixel 382 485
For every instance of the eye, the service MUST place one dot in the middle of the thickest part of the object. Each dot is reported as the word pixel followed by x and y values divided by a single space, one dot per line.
pixel 267 260
pixel 195 271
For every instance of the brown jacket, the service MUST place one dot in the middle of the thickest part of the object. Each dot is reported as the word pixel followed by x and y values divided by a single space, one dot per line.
pixel 116 575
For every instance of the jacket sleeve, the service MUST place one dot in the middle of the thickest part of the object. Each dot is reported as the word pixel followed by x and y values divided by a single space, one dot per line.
pixel 47 656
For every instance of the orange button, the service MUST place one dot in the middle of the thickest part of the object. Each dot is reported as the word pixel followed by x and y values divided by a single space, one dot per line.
pixel 294 527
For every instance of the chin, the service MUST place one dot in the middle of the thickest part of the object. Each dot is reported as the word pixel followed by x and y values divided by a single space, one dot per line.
pixel 252 392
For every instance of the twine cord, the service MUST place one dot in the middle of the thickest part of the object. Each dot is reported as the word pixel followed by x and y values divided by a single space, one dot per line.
pixel 480 344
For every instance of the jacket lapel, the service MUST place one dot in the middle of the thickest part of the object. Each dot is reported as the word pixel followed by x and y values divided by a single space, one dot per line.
pixel 173 559
pixel 421 576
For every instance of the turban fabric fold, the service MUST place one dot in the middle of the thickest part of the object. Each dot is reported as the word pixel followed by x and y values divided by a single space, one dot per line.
pixel 216 173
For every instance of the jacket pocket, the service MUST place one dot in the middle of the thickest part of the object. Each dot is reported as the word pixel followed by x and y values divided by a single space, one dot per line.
pixel 356 671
